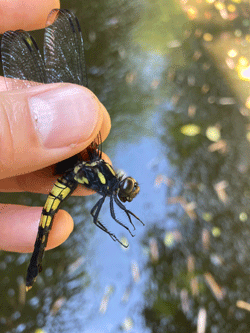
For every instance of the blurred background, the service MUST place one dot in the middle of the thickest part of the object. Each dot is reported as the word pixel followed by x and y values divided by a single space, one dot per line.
pixel 174 76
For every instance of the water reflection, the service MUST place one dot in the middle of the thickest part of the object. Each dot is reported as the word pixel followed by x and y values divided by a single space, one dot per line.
pixel 199 272
pixel 179 101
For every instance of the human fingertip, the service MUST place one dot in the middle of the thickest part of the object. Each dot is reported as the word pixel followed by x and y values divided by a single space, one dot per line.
pixel 65 114
pixel 25 14
pixel 19 227
pixel 62 227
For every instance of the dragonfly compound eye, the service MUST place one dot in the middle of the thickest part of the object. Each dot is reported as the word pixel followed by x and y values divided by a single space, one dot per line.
pixel 128 189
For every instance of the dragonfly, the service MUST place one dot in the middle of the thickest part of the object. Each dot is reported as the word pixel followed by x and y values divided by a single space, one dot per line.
pixel 64 61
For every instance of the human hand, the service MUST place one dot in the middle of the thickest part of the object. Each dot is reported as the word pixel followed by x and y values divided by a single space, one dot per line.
pixel 40 126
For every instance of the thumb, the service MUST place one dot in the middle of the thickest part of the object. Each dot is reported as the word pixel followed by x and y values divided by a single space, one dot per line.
pixel 44 124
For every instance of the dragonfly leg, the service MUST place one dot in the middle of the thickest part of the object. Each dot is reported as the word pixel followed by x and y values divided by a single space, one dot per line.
pixel 119 204
pixel 95 213
pixel 112 211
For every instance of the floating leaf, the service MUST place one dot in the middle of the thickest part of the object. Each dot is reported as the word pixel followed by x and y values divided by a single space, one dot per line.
pixel 232 53
pixel 243 305
pixel 192 12
pixel 213 133
pixel 243 69
pixel 128 324
pixel 207 216
pixel 219 5
pixel 243 216
pixel 207 37
pixel 169 239
pixel 220 189
pixel 247 104
pixel 190 129
pixel 216 232
pixel 124 241
pixel 231 8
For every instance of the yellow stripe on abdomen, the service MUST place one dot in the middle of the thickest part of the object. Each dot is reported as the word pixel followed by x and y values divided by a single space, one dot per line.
pixel 58 193
pixel 45 220
pixel 60 190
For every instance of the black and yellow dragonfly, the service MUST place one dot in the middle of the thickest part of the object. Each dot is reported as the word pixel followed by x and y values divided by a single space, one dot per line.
pixel 64 62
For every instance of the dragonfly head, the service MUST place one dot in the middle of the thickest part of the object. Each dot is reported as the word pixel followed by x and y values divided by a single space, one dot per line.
pixel 128 189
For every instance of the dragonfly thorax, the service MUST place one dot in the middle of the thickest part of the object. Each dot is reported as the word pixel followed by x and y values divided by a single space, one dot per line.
pixel 97 175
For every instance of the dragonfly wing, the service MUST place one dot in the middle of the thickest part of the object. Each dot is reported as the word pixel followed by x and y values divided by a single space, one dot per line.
pixel 21 60
pixel 64 49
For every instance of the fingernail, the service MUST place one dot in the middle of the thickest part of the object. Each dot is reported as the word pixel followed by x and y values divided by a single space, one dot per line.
pixel 65 115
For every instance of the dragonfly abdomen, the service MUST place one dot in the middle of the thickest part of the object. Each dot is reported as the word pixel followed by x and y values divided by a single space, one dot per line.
pixel 62 188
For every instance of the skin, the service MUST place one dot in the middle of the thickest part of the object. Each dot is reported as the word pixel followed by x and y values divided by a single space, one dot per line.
pixel 26 158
